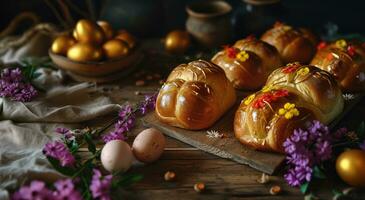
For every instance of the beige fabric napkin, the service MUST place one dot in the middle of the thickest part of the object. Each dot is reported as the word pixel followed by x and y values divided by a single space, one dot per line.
pixel 60 105
pixel 26 127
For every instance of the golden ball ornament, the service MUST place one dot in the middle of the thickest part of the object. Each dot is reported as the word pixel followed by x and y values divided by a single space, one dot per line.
pixel 126 37
pixel 61 44
pixel 89 32
pixel 115 48
pixel 177 41
pixel 82 52
pixel 107 29
pixel 350 166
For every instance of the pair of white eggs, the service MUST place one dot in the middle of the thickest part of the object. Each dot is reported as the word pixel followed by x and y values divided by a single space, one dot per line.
pixel 117 155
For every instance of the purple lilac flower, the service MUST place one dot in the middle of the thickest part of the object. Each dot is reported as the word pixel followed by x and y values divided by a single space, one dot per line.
pixel 323 150
pixel 125 111
pixel 340 133
pixel 307 148
pixel 65 189
pixel 100 185
pixel 35 191
pixel 295 176
pixel 59 151
pixel 148 104
pixel 65 132
pixel 127 119
pixel 114 135
pixel 13 86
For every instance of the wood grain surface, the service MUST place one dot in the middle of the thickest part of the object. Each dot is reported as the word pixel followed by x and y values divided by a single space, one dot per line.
pixel 224 178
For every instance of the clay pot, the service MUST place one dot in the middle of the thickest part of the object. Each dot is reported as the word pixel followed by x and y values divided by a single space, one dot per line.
pixel 209 23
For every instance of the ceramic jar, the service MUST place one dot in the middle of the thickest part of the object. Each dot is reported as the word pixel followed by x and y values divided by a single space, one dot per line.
pixel 209 23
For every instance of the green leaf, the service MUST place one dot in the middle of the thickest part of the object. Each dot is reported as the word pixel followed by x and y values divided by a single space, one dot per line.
pixel 73 146
pixel 91 145
pixel 127 179
pixel 304 187
pixel 318 173
pixel 31 64
pixel 336 192
pixel 360 131
pixel 63 170
pixel 310 196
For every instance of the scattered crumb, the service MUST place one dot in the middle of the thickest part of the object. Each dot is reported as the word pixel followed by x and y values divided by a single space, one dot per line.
pixel 169 176
pixel 275 190
pixel 199 187
pixel 140 83
pixel 264 178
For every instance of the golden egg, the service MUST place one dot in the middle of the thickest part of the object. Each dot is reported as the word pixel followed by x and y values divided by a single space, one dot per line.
pixel 350 166
pixel 177 41
pixel 127 37
pixel 74 34
pixel 115 48
pixel 85 52
pixel 88 31
pixel 107 29
pixel 61 44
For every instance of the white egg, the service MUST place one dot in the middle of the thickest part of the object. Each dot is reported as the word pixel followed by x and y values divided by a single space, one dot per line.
pixel 148 145
pixel 116 156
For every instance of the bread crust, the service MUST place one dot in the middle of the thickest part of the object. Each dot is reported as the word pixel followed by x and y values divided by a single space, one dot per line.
pixel 195 96
pixel 294 95
pixel 293 45
pixel 251 73
pixel 346 63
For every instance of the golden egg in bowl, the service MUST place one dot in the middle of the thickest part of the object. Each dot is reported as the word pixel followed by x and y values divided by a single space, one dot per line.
pixel 92 50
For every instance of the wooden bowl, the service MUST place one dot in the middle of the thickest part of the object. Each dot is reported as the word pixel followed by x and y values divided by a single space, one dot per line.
pixel 97 69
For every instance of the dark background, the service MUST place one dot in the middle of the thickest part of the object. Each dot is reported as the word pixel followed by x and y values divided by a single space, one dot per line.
pixel 155 17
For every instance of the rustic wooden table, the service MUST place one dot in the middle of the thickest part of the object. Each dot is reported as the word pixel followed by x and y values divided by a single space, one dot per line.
pixel 224 179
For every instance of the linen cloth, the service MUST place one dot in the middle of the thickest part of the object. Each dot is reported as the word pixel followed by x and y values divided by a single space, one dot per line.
pixel 26 127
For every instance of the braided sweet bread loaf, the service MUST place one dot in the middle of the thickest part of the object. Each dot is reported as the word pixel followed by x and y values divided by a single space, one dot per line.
pixel 195 95
pixel 294 45
pixel 345 60
pixel 293 96
pixel 248 62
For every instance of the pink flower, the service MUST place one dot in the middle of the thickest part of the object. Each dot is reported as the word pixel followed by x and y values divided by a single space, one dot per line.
pixel 59 151
pixel 66 190
pixel 100 185
pixel 35 191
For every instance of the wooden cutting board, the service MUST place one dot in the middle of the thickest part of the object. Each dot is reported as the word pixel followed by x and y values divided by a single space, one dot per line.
pixel 228 146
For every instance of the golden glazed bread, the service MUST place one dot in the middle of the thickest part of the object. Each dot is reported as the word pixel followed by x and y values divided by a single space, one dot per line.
pixel 294 45
pixel 248 62
pixel 294 96
pixel 345 60
pixel 195 96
